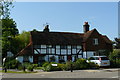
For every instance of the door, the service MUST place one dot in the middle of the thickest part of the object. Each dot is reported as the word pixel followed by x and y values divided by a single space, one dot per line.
pixel 69 57
pixel 35 59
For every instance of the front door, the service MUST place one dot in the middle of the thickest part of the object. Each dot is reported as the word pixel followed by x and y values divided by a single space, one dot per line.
pixel 69 57
pixel 35 59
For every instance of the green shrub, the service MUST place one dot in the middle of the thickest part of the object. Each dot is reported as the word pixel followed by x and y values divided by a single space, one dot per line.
pixel 30 68
pixel 20 67
pixel 81 64
pixel 35 65
pixel 38 67
pixel 45 64
pixel 49 67
pixel 13 64
pixel 115 58
pixel 92 65
pixel 67 66
pixel 62 67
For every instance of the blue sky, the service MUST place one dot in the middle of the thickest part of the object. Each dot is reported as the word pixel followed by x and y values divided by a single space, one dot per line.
pixel 67 16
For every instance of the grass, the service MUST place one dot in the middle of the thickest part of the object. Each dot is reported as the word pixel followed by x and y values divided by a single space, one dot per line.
pixel 18 72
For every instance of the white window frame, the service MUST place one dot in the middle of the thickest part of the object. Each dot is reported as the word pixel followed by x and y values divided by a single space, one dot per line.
pixel 95 41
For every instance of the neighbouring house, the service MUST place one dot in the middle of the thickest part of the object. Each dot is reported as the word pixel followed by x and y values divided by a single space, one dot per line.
pixel 62 46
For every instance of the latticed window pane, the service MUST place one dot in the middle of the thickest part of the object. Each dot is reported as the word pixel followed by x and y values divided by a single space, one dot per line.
pixel 63 51
pixel 43 51
pixel 43 46
pixel 57 51
pixel 69 51
pixel 73 51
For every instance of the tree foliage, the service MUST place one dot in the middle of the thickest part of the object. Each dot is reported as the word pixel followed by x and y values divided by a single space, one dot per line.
pixel 23 40
pixel 115 58
pixel 117 43
pixel 9 28
pixel 5 6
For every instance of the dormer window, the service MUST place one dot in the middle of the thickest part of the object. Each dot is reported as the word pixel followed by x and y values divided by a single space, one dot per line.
pixel 95 41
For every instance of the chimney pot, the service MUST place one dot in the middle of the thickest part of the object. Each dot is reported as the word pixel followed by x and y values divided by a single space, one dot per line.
pixel 46 29
pixel 86 27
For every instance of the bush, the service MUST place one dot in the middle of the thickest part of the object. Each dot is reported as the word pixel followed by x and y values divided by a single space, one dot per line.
pixel 13 64
pixel 20 67
pixel 49 67
pixel 45 64
pixel 92 65
pixel 62 66
pixel 115 58
pixel 81 64
pixel 38 67
pixel 29 66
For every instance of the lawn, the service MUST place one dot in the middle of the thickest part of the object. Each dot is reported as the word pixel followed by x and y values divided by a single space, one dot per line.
pixel 19 71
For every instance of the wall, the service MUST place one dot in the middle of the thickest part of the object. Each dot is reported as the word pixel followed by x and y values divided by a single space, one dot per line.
pixel 88 54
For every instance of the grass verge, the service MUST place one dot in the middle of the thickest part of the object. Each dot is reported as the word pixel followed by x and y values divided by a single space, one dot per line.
pixel 18 72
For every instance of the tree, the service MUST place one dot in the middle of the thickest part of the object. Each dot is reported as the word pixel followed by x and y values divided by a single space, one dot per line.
pixel 23 40
pixel 117 43
pixel 9 27
pixel 5 6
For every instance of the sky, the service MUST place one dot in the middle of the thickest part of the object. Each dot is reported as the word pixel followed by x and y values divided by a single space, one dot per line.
pixel 67 16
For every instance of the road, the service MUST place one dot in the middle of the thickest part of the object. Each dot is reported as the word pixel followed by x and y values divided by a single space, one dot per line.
pixel 104 73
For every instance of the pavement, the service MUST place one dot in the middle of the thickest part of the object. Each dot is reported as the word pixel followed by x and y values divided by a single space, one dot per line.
pixel 98 73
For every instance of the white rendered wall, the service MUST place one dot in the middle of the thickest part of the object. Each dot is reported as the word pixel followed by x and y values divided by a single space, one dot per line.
pixel 65 58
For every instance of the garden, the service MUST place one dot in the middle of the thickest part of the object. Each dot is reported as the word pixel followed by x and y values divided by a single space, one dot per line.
pixel 79 64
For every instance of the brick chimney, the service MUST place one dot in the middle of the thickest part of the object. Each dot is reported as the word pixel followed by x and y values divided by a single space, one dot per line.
pixel 86 27
pixel 46 29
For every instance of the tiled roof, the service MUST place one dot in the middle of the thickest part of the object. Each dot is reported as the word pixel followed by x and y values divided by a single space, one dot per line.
pixel 87 34
pixel 106 39
pixel 60 38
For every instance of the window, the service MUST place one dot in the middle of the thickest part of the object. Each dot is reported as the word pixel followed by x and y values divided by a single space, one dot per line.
pixel 61 57
pixel 43 46
pixel 36 51
pixel 63 47
pixel 73 51
pixel 57 51
pixel 69 51
pixel 25 58
pixel 49 46
pixel 95 41
pixel 63 51
pixel 53 51
pixel 58 47
pixel 43 51
pixel 69 47
pixel 74 47
pixel 78 47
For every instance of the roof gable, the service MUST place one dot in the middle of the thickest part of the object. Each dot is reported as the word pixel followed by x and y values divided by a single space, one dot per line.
pixel 89 33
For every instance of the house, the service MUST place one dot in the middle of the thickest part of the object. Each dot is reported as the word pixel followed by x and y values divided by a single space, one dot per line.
pixel 62 46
